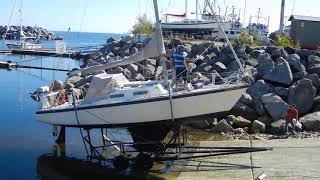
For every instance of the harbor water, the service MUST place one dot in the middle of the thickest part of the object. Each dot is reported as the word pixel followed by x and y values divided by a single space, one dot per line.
pixel 23 141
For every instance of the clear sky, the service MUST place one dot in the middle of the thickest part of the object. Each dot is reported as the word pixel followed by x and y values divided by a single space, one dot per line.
pixel 117 16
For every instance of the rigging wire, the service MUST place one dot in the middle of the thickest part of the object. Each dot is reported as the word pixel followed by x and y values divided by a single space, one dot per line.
pixel 13 8
pixel 83 16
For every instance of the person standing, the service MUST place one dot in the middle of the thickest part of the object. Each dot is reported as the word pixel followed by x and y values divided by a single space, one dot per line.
pixel 291 118
pixel 180 66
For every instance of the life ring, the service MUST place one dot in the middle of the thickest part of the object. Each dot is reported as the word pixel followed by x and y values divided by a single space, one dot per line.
pixel 61 98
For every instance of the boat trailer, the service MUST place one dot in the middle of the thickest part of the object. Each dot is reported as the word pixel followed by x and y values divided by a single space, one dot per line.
pixel 130 154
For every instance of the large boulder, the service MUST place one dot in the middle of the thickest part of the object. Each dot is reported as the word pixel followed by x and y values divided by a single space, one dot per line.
pixel 281 74
pixel 316 104
pixel 133 69
pixel 258 127
pixel 277 127
pixel 314 65
pixel 265 64
pixel 241 122
pixel 226 59
pixel 259 89
pixel 222 126
pixel 247 100
pixel 311 122
pixel 258 106
pixel 235 66
pixel 315 80
pixel 73 80
pixel 256 53
pixel 243 110
pixel 267 120
pixel 203 68
pixel 302 94
pixel 276 52
pixel 281 91
pixel 295 64
pixel 219 67
pixel 275 106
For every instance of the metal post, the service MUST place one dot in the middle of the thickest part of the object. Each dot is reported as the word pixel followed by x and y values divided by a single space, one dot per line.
pixel 283 2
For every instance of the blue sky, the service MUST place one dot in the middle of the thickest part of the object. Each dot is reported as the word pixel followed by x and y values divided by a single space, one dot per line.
pixel 117 16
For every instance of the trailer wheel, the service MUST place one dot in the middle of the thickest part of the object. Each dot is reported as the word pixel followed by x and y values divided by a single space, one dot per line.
pixel 143 162
pixel 121 163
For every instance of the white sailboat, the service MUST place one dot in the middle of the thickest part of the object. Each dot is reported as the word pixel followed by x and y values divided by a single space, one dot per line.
pixel 24 42
pixel 113 101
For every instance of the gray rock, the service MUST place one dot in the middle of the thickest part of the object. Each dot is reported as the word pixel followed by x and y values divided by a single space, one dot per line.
pixel 251 62
pixel 241 122
pixel 133 51
pixel 133 69
pixel 277 127
pixel 265 64
pixel 302 94
pixel 226 59
pixel 222 126
pixel 234 66
pixel 219 67
pixel 314 64
pixel 275 106
pixel 187 48
pixel 73 79
pixel 68 86
pixel 247 100
pixel 152 62
pixel 316 104
pixel 299 75
pixel 276 52
pixel 295 64
pixel 158 72
pixel 127 73
pixel 230 119
pixel 139 77
pixel 281 74
pixel 315 80
pixel 255 53
pixel 258 127
pixel 282 92
pixel 210 58
pixel 265 119
pixel 259 89
pixel 258 106
pixel 311 122
pixel 203 68
pixel 243 110
pixel 238 131
pixel 176 42
pixel 116 70
pixel 148 71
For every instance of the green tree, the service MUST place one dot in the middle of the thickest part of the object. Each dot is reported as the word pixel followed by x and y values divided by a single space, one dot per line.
pixel 142 26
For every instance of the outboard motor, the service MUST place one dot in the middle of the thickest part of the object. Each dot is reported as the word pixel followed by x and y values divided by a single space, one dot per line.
pixel 41 90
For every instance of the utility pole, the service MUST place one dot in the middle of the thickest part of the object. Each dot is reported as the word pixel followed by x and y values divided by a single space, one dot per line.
pixel 283 4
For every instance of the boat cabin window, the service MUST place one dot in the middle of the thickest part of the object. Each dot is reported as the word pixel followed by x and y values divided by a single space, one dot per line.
pixel 137 93
pixel 231 32
pixel 116 95
pixel 227 32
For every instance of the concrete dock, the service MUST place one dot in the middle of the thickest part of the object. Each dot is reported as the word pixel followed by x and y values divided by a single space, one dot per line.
pixel 290 159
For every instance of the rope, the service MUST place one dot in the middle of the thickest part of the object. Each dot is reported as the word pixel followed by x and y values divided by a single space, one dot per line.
pixel 14 5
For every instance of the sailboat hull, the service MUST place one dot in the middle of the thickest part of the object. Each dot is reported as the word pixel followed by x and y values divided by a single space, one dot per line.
pixel 126 114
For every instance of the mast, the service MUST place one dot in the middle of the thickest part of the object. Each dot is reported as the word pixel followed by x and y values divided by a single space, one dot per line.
pixel 244 12
pixel 227 39
pixel 258 18
pixel 197 5
pixel 186 7
pixel 283 2
pixel 20 13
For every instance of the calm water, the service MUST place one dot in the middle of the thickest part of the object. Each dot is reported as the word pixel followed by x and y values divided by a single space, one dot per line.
pixel 23 141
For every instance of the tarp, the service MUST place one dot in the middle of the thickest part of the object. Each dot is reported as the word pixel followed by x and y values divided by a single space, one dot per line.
pixel 102 85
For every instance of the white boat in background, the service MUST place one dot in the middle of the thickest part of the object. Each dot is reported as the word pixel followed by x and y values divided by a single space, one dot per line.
pixel 258 27
pixel 112 101
pixel 206 25
pixel 27 43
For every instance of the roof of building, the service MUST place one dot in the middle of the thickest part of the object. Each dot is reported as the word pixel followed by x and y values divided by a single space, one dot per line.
pixel 304 18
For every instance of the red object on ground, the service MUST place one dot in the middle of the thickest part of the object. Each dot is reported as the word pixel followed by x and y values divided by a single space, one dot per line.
pixel 291 114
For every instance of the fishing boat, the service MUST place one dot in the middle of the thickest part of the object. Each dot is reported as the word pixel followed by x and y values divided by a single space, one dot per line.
pixel 113 101
pixel 206 25
pixel 23 42
pixel 260 27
